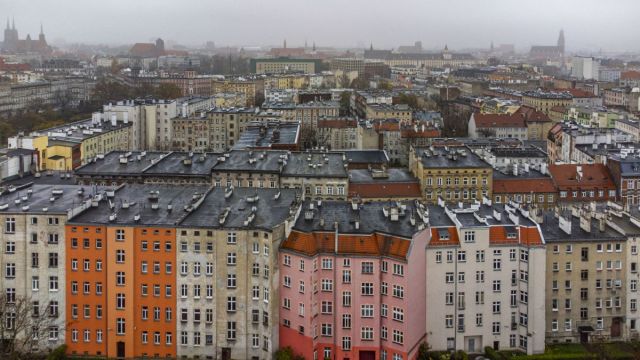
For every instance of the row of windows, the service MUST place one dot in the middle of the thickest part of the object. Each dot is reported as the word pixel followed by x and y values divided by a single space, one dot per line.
pixel 461 255
pixel 366 267
pixel 10 223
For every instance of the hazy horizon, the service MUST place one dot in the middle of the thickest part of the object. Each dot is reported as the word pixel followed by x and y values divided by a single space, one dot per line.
pixel 589 25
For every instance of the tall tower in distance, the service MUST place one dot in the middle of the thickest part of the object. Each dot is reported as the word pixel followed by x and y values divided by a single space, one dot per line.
pixel 561 41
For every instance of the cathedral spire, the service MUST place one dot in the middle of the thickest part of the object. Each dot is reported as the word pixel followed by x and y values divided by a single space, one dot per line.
pixel 41 30
pixel 8 27
pixel 13 24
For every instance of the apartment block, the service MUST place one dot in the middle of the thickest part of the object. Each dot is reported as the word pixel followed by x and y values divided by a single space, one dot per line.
pixel 352 281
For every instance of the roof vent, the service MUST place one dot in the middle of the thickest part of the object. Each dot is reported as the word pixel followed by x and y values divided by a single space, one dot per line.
pixel 113 217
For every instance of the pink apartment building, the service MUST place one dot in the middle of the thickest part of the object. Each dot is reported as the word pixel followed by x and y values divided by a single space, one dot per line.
pixel 352 281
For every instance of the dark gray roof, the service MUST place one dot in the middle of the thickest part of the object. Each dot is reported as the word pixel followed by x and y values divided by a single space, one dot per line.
pixel 305 164
pixel 38 197
pixel 393 175
pixel 518 152
pixel 110 165
pixel 253 137
pixel 269 211
pixel 371 218
pixel 150 164
pixel 174 164
pixel 531 174
pixel 239 160
pixel 440 158
pixel 137 199
pixel 366 156
pixel 468 219
pixel 552 232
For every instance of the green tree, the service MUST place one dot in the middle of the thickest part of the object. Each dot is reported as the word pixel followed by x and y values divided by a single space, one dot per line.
pixel 345 103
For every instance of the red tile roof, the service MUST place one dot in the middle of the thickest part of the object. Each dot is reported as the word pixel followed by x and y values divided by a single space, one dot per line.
pixel 527 235
pixel 630 75
pixel 314 243
pixel 337 123
pixel 593 176
pixel 385 190
pixel 520 185
pixel 531 115
pixel 579 93
pixel 427 133
pixel 498 120
pixel 437 241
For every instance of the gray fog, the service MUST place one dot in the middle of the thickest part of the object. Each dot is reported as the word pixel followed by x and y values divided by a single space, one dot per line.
pixel 589 25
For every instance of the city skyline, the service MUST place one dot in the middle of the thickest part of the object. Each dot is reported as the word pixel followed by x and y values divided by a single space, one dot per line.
pixel 352 26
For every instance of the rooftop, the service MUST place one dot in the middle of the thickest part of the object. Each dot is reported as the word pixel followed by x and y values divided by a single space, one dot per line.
pixel 554 233
pixel 373 217
pixel 143 204
pixel 36 198
pixel 261 136
pixel 307 164
pixel 449 158
pixel 222 208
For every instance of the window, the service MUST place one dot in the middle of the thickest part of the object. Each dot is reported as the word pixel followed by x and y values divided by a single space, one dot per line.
pixel 398 337
pixel 53 283
pixel 231 330
pixel 367 267
pixel 120 325
pixel 10 225
pixel 367 289
pixel 469 236
pixel 231 239
pixel 366 333
pixel 366 311
pixel 327 264
pixel 398 314
pixel 346 321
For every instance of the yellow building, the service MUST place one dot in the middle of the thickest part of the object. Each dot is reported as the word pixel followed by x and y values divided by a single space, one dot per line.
pixel 385 111
pixel 248 87
pixel 454 174
pixel 228 100
pixel 545 101
pixel 72 145
pixel 60 155
pixel 284 65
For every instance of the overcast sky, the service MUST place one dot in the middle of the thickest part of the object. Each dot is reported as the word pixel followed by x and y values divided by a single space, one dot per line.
pixel 610 25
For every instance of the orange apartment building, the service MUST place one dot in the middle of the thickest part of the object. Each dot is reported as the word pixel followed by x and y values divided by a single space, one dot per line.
pixel 121 297
pixel 121 261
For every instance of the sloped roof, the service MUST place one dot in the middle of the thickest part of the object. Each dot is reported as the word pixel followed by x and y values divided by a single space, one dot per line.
pixel 630 75
pixel 531 114
pixel 593 175
pixel 498 121
pixel 315 243
pixel 519 185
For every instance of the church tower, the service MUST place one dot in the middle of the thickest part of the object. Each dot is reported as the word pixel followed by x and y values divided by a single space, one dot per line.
pixel 561 41
pixel 41 36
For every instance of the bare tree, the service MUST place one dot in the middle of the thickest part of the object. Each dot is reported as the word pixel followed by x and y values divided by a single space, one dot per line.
pixel 62 99
pixel 26 327
pixel 487 133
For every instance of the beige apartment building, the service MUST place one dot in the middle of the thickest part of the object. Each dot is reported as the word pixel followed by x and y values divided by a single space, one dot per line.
pixel 228 275
pixel 586 277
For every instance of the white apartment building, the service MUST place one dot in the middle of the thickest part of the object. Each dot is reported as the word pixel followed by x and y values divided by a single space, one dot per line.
pixel 479 289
